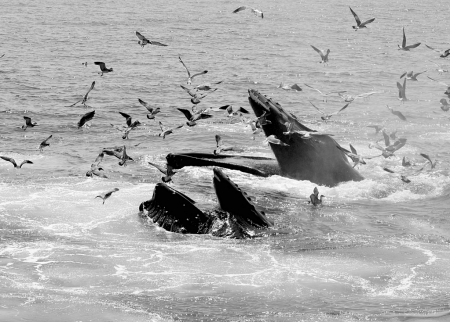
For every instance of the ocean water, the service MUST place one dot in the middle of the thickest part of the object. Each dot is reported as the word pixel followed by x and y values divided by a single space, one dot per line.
pixel 377 250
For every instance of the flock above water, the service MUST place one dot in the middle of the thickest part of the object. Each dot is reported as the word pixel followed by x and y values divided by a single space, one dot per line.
pixel 197 93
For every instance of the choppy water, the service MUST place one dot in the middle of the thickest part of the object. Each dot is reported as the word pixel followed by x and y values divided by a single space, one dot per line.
pixel 377 251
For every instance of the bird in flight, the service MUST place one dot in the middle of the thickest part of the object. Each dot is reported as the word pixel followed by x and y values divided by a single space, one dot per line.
pixel 402 91
pixel 14 162
pixel 44 143
pixel 445 54
pixel 144 41
pixel 85 98
pixel 167 171
pixel 106 195
pixel 103 68
pixel 274 140
pixel 190 77
pixel 86 118
pixel 165 131
pixel 360 24
pixel 325 95
pixel 326 116
pixel 257 12
pixel 192 117
pixel 411 76
pixel 322 54
pixel 389 150
pixel 356 158
pixel 196 97
pixel 28 123
pixel 402 177
pixel 403 46
pixel 397 113
pixel 152 111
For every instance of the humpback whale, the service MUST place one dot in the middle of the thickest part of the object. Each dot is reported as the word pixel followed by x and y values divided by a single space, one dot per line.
pixel 317 159
pixel 236 216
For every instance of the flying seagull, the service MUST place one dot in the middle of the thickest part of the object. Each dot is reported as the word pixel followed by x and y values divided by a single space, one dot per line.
pixel 192 117
pixel 165 131
pixel 44 143
pixel 445 54
pixel 360 25
pixel 356 158
pixel 322 54
pixel 325 94
pixel 426 156
pixel 28 123
pixel 190 77
pixel 103 68
pixel 377 128
pixel 106 195
pixel 257 12
pixel 152 111
pixel 144 41
pixel 411 76
pixel 402 91
pixel 14 162
pixel 95 167
pixel 84 99
pixel 389 150
pixel 86 118
pixel 274 140
pixel 397 113
pixel 167 171
pixel 195 97
pixel 403 46
pixel 326 116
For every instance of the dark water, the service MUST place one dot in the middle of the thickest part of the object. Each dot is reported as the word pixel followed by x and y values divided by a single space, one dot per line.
pixel 377 251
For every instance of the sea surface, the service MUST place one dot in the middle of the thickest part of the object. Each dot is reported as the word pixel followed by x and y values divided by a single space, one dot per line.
pixel 377 250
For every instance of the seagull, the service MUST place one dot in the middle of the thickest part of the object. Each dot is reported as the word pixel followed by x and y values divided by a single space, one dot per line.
pixel 231 112
pixel 426 156
pixel 445 54
pixel 262 120
pixel 304 134
pixel 103 68
pixel 257 12
pixel 351 98
pixel 274 140
pixel 447 92
pixel 439 68
pixel 28 123
pixel 86 118
pixel 406 163
pixel 402 91
pixel 129 120
pixel 165 131
pixel 389 150
pixel 360 25
pixel 196 98
pixel 106 195
pixel 2 56
pixel 402 177
pixel 255 130
pixel 289 87
pixel 144 41
pixel 325 94
pixel 397 113
pixel 120 152
pixel 84 99
pixel 377 128
pixel 411 76
pixel 167 171
pixel 207 86
pixel 95 167
pixel 221 148
pixel 403 46
pixel 322 54
pixel 44 143
pixel 192 117
pixel 444 105
pixel 314 198
pixel 14 162
pixel 189 80
pixel 328 116
pixel 151 110
pixel 356 158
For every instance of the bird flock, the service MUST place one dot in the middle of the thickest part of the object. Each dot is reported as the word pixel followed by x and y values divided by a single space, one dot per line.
pixel 199 92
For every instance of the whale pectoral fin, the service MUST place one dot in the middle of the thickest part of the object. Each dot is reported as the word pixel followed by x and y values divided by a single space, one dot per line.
pixel 175 212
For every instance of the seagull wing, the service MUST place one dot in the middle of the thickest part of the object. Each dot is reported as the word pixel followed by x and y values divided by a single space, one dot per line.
pixel 404 38
pixel 358 22
pixel 353 149
pixel 101 64
pixel 27 120
pixel 367 22
pixel 160 168
pixel 417 74
pixel 243 110
pixel 318 108
pixel 187 70
pixel 10 160
pixel 386 139
pixel 240 9
pixel 45 141
pixel 189 91
pixel 442 83
pixel 145 104
pixel 140 36
pixel 388 170
pixel 429 47
pixel 25 161
pixel 342 109
pixel 321 53
pixel 200 73
pixel 396 145
pixel 315 89
pixel 157 43
pixel 186 113
pixel 413 46
pixel 86 118
pixel 426 156
pixel 90 89
pixel 161 126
